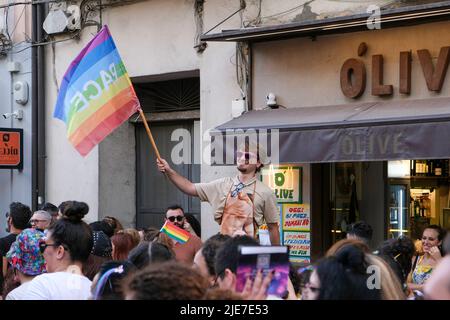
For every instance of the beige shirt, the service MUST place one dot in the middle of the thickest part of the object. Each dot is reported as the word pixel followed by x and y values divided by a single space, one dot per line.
pixel 265 202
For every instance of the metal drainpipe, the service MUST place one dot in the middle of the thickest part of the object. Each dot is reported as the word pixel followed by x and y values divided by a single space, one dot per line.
pixel 38 107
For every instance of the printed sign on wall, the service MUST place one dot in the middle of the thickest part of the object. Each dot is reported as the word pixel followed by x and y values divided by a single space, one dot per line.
pixel 299 243
pixel 11 148
pixel 285 182
pixel 296 217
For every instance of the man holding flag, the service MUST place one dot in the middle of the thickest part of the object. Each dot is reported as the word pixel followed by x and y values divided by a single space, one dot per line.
pixel 241 204
pixel 185 244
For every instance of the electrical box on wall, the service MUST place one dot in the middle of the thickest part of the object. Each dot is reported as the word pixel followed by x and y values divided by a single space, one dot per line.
pixel 21 92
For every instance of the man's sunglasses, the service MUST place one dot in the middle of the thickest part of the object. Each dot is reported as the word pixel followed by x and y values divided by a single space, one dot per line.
pixel 247 155
pixel 178 218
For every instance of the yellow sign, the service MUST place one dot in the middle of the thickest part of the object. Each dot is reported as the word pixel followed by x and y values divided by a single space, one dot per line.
pixel 285 182
pixel 296 217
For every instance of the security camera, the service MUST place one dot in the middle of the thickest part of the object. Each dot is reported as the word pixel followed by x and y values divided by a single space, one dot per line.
pixel 271 100
pixel 18 114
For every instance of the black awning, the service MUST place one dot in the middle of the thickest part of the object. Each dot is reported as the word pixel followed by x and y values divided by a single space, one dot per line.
pixel 406 16
pixel 373 131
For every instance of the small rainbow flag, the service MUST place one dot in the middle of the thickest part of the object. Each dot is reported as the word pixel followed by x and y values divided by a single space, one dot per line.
pixel 175 232
pixel 96 95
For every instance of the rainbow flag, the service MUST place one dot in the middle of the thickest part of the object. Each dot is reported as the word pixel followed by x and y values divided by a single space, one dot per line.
pixel 96 95
pixel 175 232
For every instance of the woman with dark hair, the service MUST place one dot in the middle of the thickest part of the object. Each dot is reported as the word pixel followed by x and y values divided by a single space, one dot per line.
pixel 150 252
pixel 397 253
pixel 424 262
pixel 66 247
pixel 342 277
pixel 100 253
pixel 114 223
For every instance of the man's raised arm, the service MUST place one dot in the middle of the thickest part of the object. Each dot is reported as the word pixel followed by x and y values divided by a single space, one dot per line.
pixel 179 181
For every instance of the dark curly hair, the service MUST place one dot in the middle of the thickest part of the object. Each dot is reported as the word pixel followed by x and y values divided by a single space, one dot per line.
pixel 398 253
pixel 20 215
pixel 166 281
pixel 210 248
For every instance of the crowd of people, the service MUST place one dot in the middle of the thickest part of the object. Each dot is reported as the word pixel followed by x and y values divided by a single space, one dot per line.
pixel 53 254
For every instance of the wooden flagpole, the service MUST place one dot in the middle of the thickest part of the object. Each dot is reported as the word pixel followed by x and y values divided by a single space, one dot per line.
pixel 149 133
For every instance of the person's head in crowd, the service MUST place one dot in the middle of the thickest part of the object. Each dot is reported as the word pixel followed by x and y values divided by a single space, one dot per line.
pixel 194 223
pixel 107 283
pixel 25 256
pixel 41 220
pixel 101 252
pixel 150 252
pixel 398 253
pixel 205 257
pixel 150 233
pixel 154 234
pixel 304 274
pixel 18 217
pixel 342 277
pixel 122 243
pixel 50 208
pixel 69 240
pixel 227 261
pixel 437 287
pixel 114 223
pixel 175 214
pixel 62 206
pixel 386 279
pixel 361 231
pixel 165 281
pixel 102 226
pixel 347 242
pixel 134 235
pixel 432 236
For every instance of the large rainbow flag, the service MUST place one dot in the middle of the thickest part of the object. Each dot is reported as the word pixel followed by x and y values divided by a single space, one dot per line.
pixel 175 232
pixel 96 95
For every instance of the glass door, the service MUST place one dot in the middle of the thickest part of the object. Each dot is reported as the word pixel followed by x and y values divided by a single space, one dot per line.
pixel 345 195
pixel 399 200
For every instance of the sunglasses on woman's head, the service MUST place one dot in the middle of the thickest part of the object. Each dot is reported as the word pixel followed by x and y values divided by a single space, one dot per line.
pixel 43 246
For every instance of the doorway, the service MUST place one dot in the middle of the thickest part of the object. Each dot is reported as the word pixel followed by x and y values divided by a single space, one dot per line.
pixel 344 193
pixel 172 103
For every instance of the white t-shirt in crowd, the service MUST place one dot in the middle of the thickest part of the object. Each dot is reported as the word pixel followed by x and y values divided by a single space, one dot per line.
pixel 19 292
pixel 58 286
